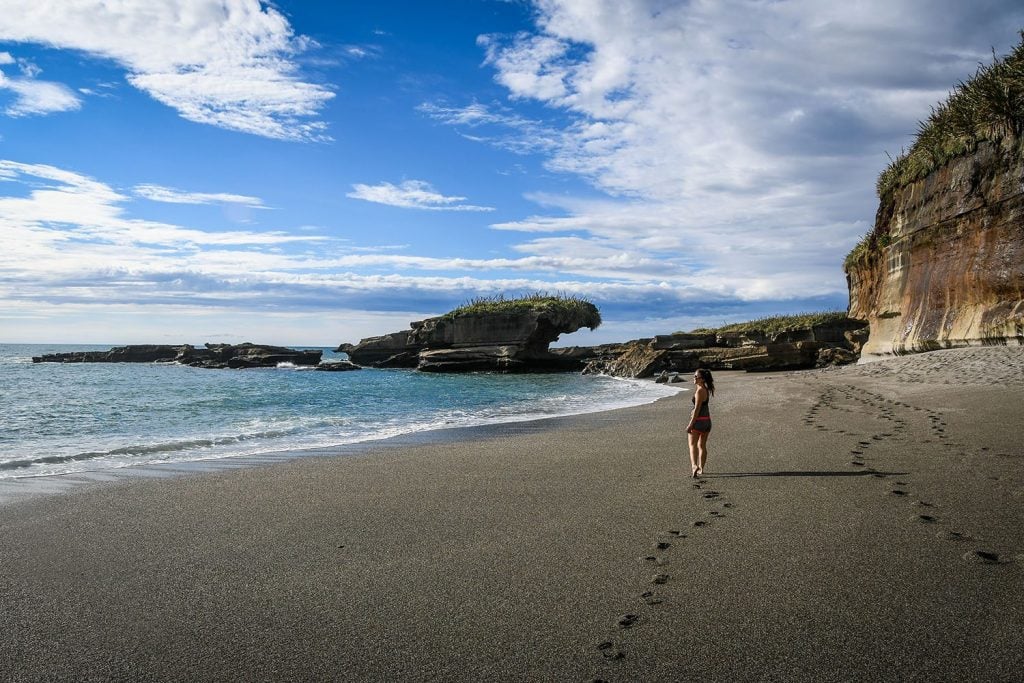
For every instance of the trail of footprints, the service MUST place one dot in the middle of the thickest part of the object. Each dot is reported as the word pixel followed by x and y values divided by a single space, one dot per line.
pixel 894 417
pixel 658 560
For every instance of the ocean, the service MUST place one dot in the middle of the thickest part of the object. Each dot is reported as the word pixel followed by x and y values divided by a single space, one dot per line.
pixel 60 419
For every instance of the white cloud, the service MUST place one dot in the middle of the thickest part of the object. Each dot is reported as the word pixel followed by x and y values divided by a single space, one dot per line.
pixel 411 194
pixel 739 138
pixel 33 97
pixel 70 244
pixel 65 208
pixel 225 63
pixel 169 195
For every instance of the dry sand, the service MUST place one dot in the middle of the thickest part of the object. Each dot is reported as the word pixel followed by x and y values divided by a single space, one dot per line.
pixel 861 523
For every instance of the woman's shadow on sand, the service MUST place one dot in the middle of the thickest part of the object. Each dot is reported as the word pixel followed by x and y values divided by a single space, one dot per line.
pixel 809 473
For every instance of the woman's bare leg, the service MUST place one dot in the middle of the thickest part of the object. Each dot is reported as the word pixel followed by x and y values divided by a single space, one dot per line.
pixel 702 452
pixel 693 440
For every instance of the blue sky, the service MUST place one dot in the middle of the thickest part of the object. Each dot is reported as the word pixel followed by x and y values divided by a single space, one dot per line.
pixel 318 172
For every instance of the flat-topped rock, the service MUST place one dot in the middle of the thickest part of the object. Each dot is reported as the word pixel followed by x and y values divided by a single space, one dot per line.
pixel 514 340
pixel 235 356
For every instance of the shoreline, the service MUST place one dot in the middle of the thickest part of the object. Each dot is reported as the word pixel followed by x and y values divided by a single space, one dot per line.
pixel 855 523
pixel 17 489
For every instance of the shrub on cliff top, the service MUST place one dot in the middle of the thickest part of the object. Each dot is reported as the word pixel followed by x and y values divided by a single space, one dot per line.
pixel 987 107
pixel 777 324
pixel 562 306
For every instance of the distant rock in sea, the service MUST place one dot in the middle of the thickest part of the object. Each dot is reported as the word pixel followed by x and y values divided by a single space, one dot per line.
pixel 216 356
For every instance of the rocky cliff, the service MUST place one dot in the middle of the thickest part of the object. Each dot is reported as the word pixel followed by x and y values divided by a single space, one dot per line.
pixel 514 341
pixel 946 263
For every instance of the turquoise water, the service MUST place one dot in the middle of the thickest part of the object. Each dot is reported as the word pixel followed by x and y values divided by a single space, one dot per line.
pixel 83 417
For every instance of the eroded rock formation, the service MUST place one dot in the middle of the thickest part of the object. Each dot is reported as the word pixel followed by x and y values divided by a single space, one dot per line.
pixel 813 346
pixel 948 265
pixel 504 342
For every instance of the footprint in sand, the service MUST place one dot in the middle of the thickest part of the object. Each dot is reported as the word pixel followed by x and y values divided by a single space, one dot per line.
pixel 898 492
pixel 663 545
pixel 953 536
pixel 924 519
pixel 659 579
pixel 628 620
pixel 650 598
pixel 983 557
pixel 609 651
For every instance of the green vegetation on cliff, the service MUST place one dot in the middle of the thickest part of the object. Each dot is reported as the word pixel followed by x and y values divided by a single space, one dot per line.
pixel 561 306
pixel 989 107
pixel 777 324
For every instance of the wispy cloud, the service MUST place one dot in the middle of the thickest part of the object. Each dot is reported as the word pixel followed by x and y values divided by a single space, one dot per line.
pixel 31 96
pixel 68 209
pixel 503 127
pixel 169 195
pixel 71 241
pixel 228 64
pixel 412 194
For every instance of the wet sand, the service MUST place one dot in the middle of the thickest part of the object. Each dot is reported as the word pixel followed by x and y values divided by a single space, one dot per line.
pixel 859 523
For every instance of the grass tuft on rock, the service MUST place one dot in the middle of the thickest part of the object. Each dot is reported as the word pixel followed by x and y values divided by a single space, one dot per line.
pixel 560 306
pixel 988 107
pixel 777 324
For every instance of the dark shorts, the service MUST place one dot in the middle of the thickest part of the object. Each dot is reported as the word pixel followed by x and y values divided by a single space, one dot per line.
pixel 701 425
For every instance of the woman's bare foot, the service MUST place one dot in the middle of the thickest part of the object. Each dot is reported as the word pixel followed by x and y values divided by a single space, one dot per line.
pixel 695 473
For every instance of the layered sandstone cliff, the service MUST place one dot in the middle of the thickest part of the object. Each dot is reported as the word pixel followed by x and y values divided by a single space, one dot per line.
pixel 946 263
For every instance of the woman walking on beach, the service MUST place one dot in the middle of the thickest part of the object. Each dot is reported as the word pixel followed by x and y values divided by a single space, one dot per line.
pixel 700 420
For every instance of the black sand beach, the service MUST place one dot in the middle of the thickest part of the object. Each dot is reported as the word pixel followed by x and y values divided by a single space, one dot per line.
pixel 860 523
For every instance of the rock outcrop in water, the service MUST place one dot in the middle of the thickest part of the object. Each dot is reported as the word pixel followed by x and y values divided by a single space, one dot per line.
pixel 514 340
pixel 831 343
pixel 245 355
pixel 949 266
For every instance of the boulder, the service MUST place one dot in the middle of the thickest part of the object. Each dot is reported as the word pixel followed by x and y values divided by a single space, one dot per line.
pixel 394 350
pixel 835 356
pixel 337 366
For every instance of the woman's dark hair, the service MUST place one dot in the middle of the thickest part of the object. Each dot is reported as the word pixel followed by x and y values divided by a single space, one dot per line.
pixel 709 381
